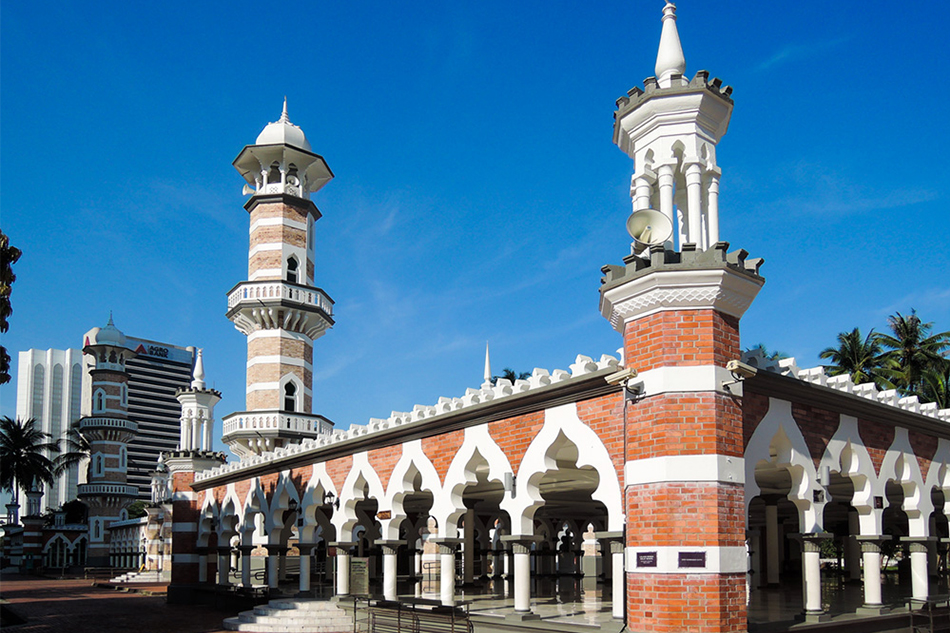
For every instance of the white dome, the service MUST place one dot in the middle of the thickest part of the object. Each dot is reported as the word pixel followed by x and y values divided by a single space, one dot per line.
pixel 283 132
pixel 108 335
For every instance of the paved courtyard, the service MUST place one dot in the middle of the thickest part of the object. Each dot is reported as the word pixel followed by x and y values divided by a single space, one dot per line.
pixel 76 606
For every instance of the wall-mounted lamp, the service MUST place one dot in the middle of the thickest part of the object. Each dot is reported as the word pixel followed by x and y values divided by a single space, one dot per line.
pixel 824 476
pixel 292 505
pixel 328 498
pixel 739 371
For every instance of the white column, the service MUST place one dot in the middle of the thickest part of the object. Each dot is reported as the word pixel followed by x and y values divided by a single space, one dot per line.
pixel 208 428
pixel 918 569
pixel 246 564
pixel 342 571
pixel 522 553
pixel 196 434
pixel 305 550
pixel 224 561
pixel 389 568
pixel 641 193
pixel 619 578
pixel 203 568
pixel 273 565
pixel 185 437
pixel 771 543
pixel 811 572
pixel 447 571
pixel 712 207
pixel 871 554
pixel 468 548
pixel 694 204
pixel 665 184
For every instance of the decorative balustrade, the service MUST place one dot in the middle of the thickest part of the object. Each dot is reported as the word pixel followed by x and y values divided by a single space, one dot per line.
pixel 110 423
pixel 276 421
pixel 252 291
pixel 122 490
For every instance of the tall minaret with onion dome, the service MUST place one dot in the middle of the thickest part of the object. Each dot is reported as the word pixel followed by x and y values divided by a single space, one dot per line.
pixel 108 430
pixel 279 308
pixel 677 301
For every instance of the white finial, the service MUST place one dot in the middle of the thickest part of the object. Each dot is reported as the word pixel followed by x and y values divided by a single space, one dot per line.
pixel 487 368
pixel 199 373
pixel 110 319
pixel 283 115
pixel 669 58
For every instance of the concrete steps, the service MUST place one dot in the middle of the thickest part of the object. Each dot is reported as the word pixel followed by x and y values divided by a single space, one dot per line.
pixel 299 616
pixel 153 577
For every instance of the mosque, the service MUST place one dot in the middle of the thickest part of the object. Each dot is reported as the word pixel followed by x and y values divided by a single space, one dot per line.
pixel 682 485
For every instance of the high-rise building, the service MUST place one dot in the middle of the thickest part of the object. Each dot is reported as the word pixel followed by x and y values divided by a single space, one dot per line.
pixel 49 389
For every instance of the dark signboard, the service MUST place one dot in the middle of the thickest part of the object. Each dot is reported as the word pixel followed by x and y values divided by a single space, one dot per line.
pixel 692 559
pixel 646 559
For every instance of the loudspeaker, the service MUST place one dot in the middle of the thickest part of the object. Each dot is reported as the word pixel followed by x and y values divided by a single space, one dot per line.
pixel 248 190
pixel 648 227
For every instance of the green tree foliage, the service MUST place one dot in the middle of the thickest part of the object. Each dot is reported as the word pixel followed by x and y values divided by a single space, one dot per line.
pixel 770 354
pixel 509 374
pixel 75 449
pixel 23 462
pixel 8 256
pixel 912 352
pixel 857 356
pixel 136 509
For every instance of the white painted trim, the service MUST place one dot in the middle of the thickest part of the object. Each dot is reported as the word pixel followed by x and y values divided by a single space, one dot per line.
pixel 719 560
pixel 265 248
pixel 185 495
pixel 689 378
pixel 270 386
pixel 282 360
pixel 277 222
pixel 679 468
pixel 278 333
pixel 275 273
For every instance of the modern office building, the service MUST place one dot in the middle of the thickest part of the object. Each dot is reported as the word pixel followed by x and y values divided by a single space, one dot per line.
pixel 49 389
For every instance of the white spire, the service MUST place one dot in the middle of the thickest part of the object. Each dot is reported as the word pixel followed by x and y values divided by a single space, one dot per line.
pixel 669 58
pixel 487 368
pixel 283 115
pixel 199 373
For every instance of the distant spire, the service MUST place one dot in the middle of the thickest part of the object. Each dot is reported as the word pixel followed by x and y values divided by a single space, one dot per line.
pixel 110 319
pixel 283 115
pixel 487 368
pixel 199 374
pixel 669 58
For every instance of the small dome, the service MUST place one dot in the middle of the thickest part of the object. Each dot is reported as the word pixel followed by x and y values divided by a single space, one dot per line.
pixel 108 335
pixel 283 132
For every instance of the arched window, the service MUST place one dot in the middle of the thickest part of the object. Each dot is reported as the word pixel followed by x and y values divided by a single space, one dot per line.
pixel 123 458
pixel 95 530
pixel 98 464
pixel 292 270
pixel 100 401
pixel 290 397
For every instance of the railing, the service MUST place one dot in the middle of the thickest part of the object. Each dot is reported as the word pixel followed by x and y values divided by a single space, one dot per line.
pixel 106 422
pixel 931 616
pixel 417 616
pixel 108 489
pixel 275 421
pixel 252 291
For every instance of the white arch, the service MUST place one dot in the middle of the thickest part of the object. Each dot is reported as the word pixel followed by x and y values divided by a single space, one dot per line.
pixel 413 460
pixel 448 506
pixel 352 492
pixel 284 492
pixel 779 429
pixel 847 455
pixel 313 500
pixel 900 465
pixel 591 452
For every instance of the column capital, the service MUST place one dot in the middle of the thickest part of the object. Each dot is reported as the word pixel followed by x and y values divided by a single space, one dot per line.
pixel 246 549
pixel 390 546
pixel 446 545
pixel 918 543
pixel 273 550
pixel 812 542
pixel 342 547
pixel 224 550
pixel 521 543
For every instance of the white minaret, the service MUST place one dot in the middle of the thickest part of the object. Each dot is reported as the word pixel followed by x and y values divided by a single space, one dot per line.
pixel 671 129
pixel 279 308
pixel 197 411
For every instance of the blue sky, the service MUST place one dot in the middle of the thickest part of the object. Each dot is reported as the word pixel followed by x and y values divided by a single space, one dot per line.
pixel 477 191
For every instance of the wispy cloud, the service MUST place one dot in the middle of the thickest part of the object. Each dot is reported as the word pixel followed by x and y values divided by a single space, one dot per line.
pixel 796 52
pixel 924 301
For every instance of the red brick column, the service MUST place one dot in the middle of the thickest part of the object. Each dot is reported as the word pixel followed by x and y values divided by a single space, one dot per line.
pixel 685 532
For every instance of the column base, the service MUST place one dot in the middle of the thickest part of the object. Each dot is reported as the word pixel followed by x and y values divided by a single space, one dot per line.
pixel 816 617
pixel 522 616
pixel 872 609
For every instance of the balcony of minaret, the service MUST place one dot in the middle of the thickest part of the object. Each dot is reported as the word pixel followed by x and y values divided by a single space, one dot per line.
pixel 280 305
pixel 250 433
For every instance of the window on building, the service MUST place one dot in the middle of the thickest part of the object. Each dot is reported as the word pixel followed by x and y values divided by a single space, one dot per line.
pixel 292 266
pixel 98 464
pixel 290 397
pixel 100 401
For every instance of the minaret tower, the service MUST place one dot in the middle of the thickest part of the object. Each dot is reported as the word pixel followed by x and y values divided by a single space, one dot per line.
pixel 278 308
pixel 108 430
pixel 197 411
pixel 677 302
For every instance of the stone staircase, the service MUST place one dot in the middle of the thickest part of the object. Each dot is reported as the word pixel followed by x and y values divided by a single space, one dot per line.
pixel 299 616
pixel 153 577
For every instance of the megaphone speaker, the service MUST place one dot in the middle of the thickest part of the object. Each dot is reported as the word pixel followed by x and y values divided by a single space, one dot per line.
pixel 648 227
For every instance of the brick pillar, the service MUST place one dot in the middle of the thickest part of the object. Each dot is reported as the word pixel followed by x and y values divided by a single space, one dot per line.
pixel 685 535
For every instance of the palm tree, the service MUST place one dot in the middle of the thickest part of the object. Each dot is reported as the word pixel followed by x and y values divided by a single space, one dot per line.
pixel 936 387
pixel 509 374
pixel 76 449
pixel 769 354
pixel 23 460
pixel 859 357
pixel 913 351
